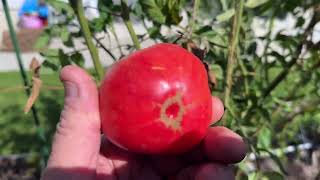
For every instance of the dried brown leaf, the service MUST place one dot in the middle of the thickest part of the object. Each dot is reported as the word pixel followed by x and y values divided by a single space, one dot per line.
pixel 35 67
pixel 192 47
pixel 212 78
pixel 35 91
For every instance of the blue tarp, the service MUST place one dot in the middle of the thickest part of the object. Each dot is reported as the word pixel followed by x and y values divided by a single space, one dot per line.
pixel 32 6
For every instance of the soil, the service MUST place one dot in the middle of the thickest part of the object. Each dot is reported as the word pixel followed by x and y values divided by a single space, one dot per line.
pixel 17 168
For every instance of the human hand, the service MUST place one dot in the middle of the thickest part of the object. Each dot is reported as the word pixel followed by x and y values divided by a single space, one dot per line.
pixel 80 152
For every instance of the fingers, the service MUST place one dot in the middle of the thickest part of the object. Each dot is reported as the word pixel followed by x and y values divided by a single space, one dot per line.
pixel 166 165
pixel 223 145
pixel 77 139
pixel 209 171
pixel 115 163
pixel 217 109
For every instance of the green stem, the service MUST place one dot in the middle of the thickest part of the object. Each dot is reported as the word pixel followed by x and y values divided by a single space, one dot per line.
pixel 125 14
pixel 245 75
pixel 105 48
pixel 133 35
pixel 284 73
pixel 79 11
pixel 265 51
pixel 113 31
pixel 237 20
pixel 40 133
pixel 19 59
pixel 194 15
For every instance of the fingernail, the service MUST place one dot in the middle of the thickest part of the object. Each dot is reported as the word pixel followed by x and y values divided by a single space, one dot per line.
pixel 71 89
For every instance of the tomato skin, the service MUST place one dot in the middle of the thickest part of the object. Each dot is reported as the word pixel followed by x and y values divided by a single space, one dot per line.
pixel 156 101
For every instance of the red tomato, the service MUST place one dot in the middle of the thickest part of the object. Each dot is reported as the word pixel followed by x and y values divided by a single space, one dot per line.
pixel 156 101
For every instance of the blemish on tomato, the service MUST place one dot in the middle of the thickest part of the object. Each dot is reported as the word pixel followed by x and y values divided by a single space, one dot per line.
pixel 172 111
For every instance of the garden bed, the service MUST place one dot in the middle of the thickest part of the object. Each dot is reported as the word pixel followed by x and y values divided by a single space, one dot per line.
pixel 17 167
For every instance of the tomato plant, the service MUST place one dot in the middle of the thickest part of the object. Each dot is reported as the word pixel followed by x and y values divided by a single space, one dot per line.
pixel 265 55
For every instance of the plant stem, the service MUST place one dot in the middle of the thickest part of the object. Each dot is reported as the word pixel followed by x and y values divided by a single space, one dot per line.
pixel 237 20
pixel 304 107
pixel 113 31
pixel 125 14
pixel 105 48
pixel 245 75
pixel 79 11
pixel 194 15
pixel 40 133
pixel 283 74
pixel 265 51
pixel 19 59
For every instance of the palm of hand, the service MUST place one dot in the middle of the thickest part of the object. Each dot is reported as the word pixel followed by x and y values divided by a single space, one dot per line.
pixel 79 153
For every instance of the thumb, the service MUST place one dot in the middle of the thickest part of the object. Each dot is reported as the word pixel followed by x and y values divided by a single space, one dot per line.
pixel 77 140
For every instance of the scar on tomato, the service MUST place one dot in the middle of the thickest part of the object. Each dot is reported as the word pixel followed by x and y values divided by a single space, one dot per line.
pixel 172 111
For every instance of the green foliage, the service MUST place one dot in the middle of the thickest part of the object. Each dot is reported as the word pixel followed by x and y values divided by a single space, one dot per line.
pixel 162 11
pixel 255 3
pixel 225 16
pixel 274 93
pixel 18 133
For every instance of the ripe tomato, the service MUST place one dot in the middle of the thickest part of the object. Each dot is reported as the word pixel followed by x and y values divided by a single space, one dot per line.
pixel 156 101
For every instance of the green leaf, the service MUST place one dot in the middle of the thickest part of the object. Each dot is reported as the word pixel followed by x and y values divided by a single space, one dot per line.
pixel 61 7
pixel 63 58
pixel 69 42
pixel 204 29
pixel 217 71
pixel 78 59
pixel 64 34
pixel 50 53
pixel 272 175
pixel 276 159
pixel 278 57
pixel 50 65
pixel 224 4
pixel 41 134
pixel 55 58
pixel 172 11
pixel 253 176
pixel 98 24
pixel 105 3
pixel 153 10
pixel 162 11
pixel 252 48
pixel 42 41
pixel 300 22
pixel 264 138
pixel 255 3
pixel 225 16
pixel 138 11
pixel 264 113
pixel 154 32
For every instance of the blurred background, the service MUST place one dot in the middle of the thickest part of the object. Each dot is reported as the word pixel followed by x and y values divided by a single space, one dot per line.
pixel 263 58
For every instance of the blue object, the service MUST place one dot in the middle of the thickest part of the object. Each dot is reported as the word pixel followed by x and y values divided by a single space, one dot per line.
pixel 32 6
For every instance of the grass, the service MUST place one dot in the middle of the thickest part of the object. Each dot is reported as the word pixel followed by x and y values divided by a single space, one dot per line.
pixel 17 130
pixel 18 134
